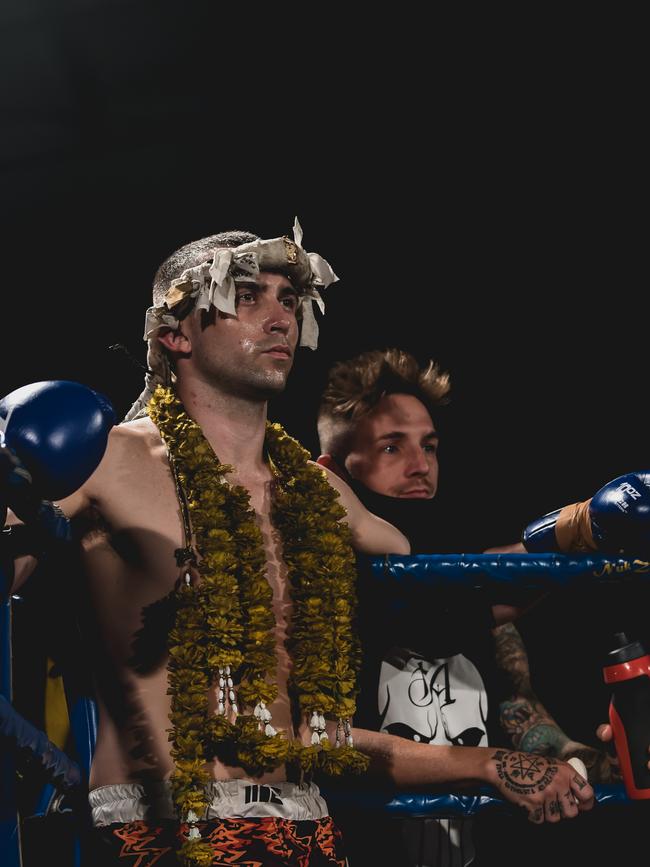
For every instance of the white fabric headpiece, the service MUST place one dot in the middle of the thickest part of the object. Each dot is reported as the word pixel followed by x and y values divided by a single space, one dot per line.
pixel 214 284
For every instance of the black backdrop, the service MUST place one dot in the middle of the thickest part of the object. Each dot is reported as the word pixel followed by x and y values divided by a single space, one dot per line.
pixel 484 211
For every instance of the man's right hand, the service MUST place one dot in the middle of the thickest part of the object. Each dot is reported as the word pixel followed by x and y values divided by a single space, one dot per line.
pixel 548 789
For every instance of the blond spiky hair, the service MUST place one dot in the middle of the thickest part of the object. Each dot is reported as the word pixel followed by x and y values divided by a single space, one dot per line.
pixel 356 386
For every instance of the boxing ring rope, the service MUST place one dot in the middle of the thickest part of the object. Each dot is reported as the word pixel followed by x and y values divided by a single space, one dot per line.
pixel 9 821
pixel 499 572
pixel 399 576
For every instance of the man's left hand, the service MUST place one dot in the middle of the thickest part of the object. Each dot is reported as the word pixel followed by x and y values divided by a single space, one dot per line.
pixel 601 767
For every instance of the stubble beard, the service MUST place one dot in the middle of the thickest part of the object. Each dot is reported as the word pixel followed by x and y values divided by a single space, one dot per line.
pixel 250 382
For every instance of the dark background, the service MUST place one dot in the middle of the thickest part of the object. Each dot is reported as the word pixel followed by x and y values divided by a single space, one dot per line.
pixel 482 200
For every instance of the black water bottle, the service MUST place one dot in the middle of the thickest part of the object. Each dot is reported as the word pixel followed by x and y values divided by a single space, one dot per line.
pixel 627 671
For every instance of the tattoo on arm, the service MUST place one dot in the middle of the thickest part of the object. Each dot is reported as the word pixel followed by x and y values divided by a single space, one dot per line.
pixel 511 657
pixel 543 739
pixel 523 717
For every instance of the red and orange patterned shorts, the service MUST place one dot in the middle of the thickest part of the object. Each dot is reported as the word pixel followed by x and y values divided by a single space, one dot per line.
pixel 261 842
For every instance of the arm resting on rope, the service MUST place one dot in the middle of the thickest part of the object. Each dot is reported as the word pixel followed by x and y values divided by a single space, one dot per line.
pixel 548 789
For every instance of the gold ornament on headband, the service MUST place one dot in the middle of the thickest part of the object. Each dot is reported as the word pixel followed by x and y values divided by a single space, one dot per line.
pixel 291 250
pixel 177 293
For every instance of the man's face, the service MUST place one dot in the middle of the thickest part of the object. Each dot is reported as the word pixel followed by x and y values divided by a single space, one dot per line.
pixel 251 354
pixel 394 449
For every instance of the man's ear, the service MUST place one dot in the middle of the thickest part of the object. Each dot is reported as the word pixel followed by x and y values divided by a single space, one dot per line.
pixel 175 341
pixel 329 463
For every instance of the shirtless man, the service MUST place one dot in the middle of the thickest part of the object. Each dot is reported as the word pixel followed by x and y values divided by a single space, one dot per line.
pixel 228 312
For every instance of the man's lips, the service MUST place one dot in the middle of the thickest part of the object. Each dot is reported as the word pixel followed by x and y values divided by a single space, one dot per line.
pixel 423 493
pixel 279 351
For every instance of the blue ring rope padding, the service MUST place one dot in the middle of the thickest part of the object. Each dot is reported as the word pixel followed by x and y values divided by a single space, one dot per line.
pixel 9 820
pixel 82 712
pixel 503 571
pixel 22 735
pixel 5 648
pixel 447 806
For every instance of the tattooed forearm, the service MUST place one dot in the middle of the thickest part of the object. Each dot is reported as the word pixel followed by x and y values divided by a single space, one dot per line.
pixel 511 656
pixel 517 715
pixel 523 716
pixel 530 728
pixel 543 739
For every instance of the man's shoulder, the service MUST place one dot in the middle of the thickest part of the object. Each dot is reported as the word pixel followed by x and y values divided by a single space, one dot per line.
pixel 133 445
pixel 327 473
pixel 140 434
pixel 133 453
pixel 371 534
pixel 335 481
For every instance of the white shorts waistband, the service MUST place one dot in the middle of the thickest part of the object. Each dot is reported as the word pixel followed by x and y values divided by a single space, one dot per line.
pixel 228 799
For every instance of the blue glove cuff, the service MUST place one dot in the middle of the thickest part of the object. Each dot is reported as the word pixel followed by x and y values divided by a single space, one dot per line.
pixel 539 535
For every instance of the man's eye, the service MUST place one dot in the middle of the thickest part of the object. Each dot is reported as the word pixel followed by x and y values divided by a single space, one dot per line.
pixel 390 449
pixel 290 302
pixel 246 297
pixel 430 448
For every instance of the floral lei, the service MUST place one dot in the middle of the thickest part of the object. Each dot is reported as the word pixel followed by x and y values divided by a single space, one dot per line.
pixel 223 635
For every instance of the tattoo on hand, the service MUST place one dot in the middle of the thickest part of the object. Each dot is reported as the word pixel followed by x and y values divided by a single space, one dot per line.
pixel 536 815
pixel 554 808
pixel 580 783
pixel 524 774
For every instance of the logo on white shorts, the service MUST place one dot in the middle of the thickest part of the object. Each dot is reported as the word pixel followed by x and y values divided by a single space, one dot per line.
pixel 257 794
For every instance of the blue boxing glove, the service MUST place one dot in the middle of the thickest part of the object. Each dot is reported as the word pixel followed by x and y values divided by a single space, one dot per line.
pixel 52 437
pixel 58 430
pixel 616 520
pixel 620 515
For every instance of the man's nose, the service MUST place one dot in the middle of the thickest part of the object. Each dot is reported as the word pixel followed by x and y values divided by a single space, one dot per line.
pixel 417 464
pixel 278 320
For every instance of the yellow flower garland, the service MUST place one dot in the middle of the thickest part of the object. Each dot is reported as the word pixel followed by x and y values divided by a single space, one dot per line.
pixel 224 625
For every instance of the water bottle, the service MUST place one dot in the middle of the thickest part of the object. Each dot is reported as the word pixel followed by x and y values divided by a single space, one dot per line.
pixel 627 671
